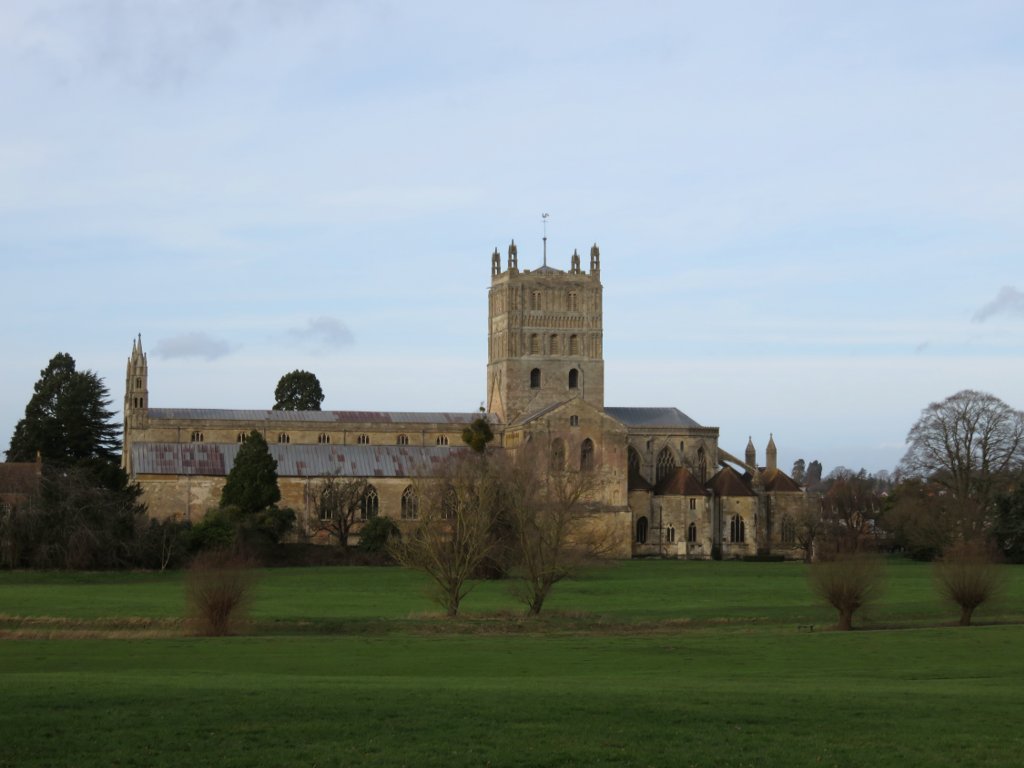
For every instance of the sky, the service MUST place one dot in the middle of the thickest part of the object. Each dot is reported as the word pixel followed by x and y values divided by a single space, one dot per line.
pixel 809 213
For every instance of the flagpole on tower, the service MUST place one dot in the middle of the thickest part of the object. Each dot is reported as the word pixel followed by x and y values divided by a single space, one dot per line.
pixel 544 218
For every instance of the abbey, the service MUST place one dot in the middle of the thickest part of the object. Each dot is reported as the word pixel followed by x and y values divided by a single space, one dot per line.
pixel 665 486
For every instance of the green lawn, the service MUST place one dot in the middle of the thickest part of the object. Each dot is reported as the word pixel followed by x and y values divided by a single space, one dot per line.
pixel 642 663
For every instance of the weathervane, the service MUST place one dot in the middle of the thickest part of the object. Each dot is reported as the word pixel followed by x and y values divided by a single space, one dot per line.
pixel 544 218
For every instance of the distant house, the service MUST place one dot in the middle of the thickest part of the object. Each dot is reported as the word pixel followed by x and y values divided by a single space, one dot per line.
pixel 19 482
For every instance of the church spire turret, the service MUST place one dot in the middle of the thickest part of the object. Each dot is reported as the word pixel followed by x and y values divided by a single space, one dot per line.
pixel 771 453
pixel 751 454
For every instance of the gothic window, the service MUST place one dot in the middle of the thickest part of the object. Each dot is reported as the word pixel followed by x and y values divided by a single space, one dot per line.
pixel 788 530
pixel 449 504
pixel 574 379
pixel 681 451
pixel 691 533
pixel 574 344
pixel 573 302
pixel 737 530
pixel 403 439
pixel 197 437
pixel 283 437
pixel 534 344
pixel 641 531
pixel 324 438
pixel 587 455
pixel 634 460
pixel 442 440
pixel 557 455
pixel 535 300
pixel 693 503
pixel 326 513
pixel 670 535
pixel 553 344
pixel 369 505
pixel 240 438
pixel 666 463
pixel 138 383
pixel 535 378
pixel 574 421
pixel 410 504
pixel 702 465
pixel 363 440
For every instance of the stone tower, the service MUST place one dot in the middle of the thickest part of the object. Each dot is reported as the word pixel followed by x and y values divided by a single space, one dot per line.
pixel 136 398
pixel 544 336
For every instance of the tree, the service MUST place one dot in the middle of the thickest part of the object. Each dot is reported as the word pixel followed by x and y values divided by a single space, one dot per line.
pixel 553 525
pixel 849 509
pixel 298 391
pixel 68 418
pixel 337 503
pixel 453 534
pixel 812 477
pixel 847 583
pixel 478 434
pixel 250 495
pixel 799 470
pixel 809 526
pixel 1008 530
pixel 970 444
pixel 967 576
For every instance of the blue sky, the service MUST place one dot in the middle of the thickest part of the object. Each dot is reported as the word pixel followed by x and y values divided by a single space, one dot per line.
pixel 809 213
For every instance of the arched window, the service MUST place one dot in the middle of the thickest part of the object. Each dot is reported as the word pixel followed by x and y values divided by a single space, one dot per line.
pixel 587 455
pixel 670 535
pixel 691 533
pixel 410 504
pixel 574 421
pixel 557 455
pixel 788 530
pixel 241 437
pixel 138 383
pixel 737 530
pixel 666 463
pixel 553 344
pixel 574 379
pixel 534 344
pixel 633 458
pixel 573 302
pixel 535 300
pixel 641 531
pixel 535 378
pixel 283 437
pixel 324 438
pixel 441 440
pixel 369 505
pixel 197 437
pixel 574 344
pixel 363 440
pixel 403 439
pixel 449 504
pixel 702 465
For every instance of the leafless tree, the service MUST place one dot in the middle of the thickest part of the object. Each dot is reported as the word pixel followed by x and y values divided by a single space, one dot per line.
pixel 809 526
pixel 454 533
pixel 218 588
pixel 337 504
pixel 847 583
pixel 849 509
pixel 968 444
pixel 554 524
pixel 968 575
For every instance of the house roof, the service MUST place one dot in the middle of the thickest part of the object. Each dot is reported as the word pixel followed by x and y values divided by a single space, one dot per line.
pixel 777 481
pixel 651 417
pixel 326 460
pixel 679 482
pixel 729 482
pixel 340 417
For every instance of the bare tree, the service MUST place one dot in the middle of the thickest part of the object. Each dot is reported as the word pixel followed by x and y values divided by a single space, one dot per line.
pixel 967 576
pixel 809 526
pixel 454 532
pixel 847 583
pixel 849 509
pixel 968 444
pixel 554 525
pixel 337 503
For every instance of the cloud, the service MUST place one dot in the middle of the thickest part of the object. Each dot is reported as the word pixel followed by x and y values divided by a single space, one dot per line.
pixel 192 345
pixel 328 331
pixel 1009 301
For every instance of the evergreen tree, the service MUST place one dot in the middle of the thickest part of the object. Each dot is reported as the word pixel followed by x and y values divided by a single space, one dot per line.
pixel 252 482
pixel 298 391
pixel 68 419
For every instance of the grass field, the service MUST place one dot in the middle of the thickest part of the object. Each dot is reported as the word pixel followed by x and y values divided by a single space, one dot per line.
pixel 640 663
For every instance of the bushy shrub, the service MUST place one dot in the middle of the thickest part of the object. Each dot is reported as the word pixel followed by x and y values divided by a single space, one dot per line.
pixel 375 533
pixel 218 588
pixel 968 575
pixel 847 583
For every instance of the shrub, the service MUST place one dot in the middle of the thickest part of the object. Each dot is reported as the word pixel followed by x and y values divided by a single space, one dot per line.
pixel 847 583
pixel 375 533
pixel 968 575
pixel 218 587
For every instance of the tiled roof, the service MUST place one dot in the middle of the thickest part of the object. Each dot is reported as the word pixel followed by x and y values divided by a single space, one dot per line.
pixel 729 482
pixel 637 482
pixel 651 417
pixel 526 418
pixel 777 481
pixel 679 482
pixel 343 417
pixel 293 460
